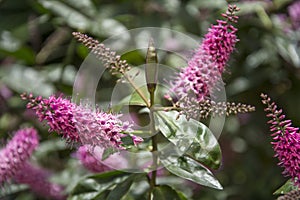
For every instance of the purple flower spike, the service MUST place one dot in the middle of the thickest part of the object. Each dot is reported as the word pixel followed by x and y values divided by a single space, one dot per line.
pixel 79 123
pixel 98 128
pixel 286 140
pixel 16 152
pixel 205 68
pixel 57 112
pixel 37 179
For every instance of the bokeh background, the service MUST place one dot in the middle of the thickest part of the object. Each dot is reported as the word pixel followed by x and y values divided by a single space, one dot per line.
pixel 39 54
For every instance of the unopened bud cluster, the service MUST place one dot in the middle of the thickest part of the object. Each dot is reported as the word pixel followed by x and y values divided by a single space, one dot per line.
pixel 110 59
pixel 206 108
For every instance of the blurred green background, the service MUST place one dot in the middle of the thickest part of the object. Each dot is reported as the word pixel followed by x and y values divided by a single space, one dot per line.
pixel 38 54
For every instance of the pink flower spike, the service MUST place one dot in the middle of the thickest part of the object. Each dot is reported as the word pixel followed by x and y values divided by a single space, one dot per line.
pixel 14 155
pixel 100 129
pixel 80 123
pixel 57 112
pixel 286 141
pixel 205 68
pixel 37 179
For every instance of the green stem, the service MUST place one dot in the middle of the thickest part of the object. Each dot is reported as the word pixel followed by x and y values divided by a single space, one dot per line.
pixel 154 143
pixel 130 81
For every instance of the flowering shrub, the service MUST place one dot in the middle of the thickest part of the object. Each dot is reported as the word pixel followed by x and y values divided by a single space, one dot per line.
pixel 125 160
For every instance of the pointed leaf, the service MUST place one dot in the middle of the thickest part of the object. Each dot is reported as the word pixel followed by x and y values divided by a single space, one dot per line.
pixel 192 138
pixel 97 183
pixel 189 169
pixel 165 192
pixel 122 188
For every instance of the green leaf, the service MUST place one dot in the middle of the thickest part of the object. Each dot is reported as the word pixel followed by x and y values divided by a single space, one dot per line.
pixel 287 187
pixel 122 188
pixel 189 169
pixel 165 192
pixel 93 185
pixel 192 138
pixel 12 189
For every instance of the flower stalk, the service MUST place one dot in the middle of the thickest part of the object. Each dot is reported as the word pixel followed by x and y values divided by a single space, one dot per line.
pixel 286 140
pixel 151 69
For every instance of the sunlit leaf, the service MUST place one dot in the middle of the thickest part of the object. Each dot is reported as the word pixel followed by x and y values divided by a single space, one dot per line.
pixel 189 169
pixel 192 138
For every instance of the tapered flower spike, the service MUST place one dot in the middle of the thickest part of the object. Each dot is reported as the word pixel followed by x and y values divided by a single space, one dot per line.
pixel 57 112
pixel 17 151
pixel 79 123
pixel 110 59
pixel 204 70
pixel 286 140
pixel 206 108
pixel 37 179
pixel 98 128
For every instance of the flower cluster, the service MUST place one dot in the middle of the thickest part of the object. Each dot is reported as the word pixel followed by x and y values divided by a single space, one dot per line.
pixel 108 57
pixel 286 138
pixel 205 68
pixel 203 109
pixel 37 179
pixel 57 112
pixel 78 123
pixel 98 128
pixel 17 151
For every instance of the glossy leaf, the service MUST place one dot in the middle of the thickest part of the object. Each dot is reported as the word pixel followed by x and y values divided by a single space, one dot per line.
pixel 94 185
pixel 189 169
pixel 165 192
pixel 121 189
pixel 192 138
pixel 287 187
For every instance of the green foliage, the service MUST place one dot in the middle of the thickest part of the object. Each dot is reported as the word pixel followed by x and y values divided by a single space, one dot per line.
pixel 189 169
pixel 165 192
pixel 199 142
pixel 98 186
